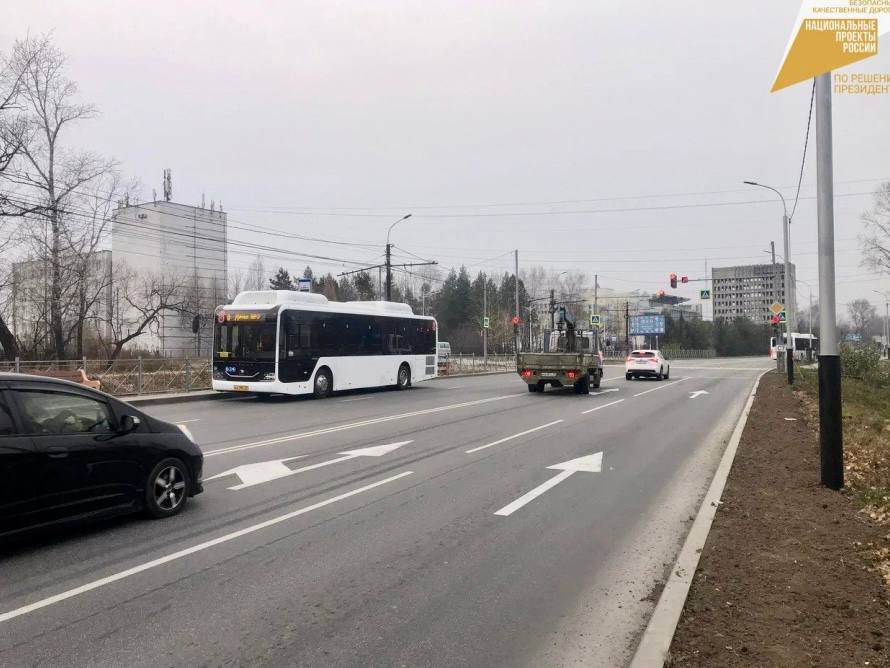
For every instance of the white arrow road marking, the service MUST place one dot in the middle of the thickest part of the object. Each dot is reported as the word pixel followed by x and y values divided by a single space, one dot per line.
pixel 589 463
pixel 510 438
pixel 697 393
pixel 95 584
pixel 260 472
pixel 254 474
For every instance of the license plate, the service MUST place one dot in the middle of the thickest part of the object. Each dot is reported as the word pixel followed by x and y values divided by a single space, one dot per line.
pixel 241 388
pixel 642 362
pixel 548 374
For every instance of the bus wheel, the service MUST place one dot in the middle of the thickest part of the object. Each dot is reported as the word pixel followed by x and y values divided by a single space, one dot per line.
pixel 403 381
pixel 324 383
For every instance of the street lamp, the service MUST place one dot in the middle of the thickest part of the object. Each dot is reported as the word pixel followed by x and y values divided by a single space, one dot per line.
pixel 389 257
pixel 789 293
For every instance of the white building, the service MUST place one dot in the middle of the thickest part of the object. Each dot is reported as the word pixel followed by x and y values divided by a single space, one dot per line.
pixel 87 292
pixel 181 243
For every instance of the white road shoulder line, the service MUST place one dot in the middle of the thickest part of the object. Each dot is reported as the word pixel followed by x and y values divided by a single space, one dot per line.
pixel 354 425
pixel 510 438
pixel 346 401
pixel 185 421
pixel 611 403
pixel 661 387
pixel 101 582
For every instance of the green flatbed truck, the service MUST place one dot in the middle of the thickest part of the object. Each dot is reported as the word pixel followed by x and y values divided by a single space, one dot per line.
pixel 571 358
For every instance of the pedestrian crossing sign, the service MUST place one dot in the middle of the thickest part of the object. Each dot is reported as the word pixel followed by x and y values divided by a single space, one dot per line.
pixel 594 320
pixel 704 294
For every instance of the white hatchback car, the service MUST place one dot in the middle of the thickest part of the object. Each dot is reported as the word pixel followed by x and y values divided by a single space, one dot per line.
pixel 646 363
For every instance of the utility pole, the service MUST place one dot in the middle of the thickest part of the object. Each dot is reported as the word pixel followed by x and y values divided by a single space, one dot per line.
pixel 552 310
pixel 831 435
pixel 484 315
pixel 388 272
pixel 627 326
pixel 516 282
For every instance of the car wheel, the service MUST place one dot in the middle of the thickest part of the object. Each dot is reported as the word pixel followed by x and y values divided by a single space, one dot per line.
pixel 627 376
pixel 167 488
pixel 533 387
pixel 403 380
pixel 585 385
pixel 667 376
pixel 597 377
pixel 323 384
pixel 659 375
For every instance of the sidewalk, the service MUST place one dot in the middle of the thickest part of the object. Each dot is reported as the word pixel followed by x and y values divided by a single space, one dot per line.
pixel 791 571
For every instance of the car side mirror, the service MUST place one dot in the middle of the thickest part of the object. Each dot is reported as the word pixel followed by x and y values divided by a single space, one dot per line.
pixel 129 423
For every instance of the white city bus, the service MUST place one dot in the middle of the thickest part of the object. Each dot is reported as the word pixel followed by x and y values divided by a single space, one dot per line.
pixel 287 342
pixel 800 344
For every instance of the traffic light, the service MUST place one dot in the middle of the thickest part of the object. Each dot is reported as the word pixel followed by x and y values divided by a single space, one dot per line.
pixel 684 279
pixel 515 320
pixel 673 278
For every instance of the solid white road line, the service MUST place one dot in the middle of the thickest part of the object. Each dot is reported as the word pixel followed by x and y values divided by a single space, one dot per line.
pixel 184 421
pixel 661 387
pixel 101 582
pixel 346 401
pixel 510 438
pixel 353 425
pixel 511 508
pixel 611 403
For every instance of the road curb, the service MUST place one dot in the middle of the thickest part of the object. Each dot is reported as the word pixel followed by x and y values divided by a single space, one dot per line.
pixel 655 643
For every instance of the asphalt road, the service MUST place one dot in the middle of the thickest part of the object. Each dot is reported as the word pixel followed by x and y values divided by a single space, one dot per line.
pixel 423 554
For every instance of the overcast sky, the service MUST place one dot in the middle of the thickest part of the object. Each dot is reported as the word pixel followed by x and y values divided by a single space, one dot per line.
pixel 335 118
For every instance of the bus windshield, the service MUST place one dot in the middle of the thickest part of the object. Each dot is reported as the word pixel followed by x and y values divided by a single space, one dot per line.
pixel 252 342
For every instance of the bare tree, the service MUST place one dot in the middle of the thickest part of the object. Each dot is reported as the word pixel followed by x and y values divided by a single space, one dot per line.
pixel 237 281
pixel 49 176
pixel 140 300
pixel 876 239
pixel 256 275
pixel 862 316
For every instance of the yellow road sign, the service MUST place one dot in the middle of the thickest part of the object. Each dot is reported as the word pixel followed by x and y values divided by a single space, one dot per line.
pixel 776 308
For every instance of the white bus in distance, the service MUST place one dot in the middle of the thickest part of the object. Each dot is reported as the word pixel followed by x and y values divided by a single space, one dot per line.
pixel 288 342
pixel 801 343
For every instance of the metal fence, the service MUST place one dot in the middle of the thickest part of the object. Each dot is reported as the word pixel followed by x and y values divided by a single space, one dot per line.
pixel 473 363
pixel 123 377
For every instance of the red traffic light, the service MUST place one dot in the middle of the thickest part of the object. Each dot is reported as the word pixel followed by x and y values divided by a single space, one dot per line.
pixel 775 319
pixel 660 293
pixel 673 278
pixel 515 320
pixel 684 279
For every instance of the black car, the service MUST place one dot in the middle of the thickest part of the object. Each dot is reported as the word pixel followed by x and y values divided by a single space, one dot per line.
pixel 70 453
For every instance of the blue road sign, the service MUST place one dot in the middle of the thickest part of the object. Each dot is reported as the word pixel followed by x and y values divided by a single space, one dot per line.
pixel 644 325
pixel 705 294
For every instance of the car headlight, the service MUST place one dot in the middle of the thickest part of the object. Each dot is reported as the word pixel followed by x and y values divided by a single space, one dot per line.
pixel 188 434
